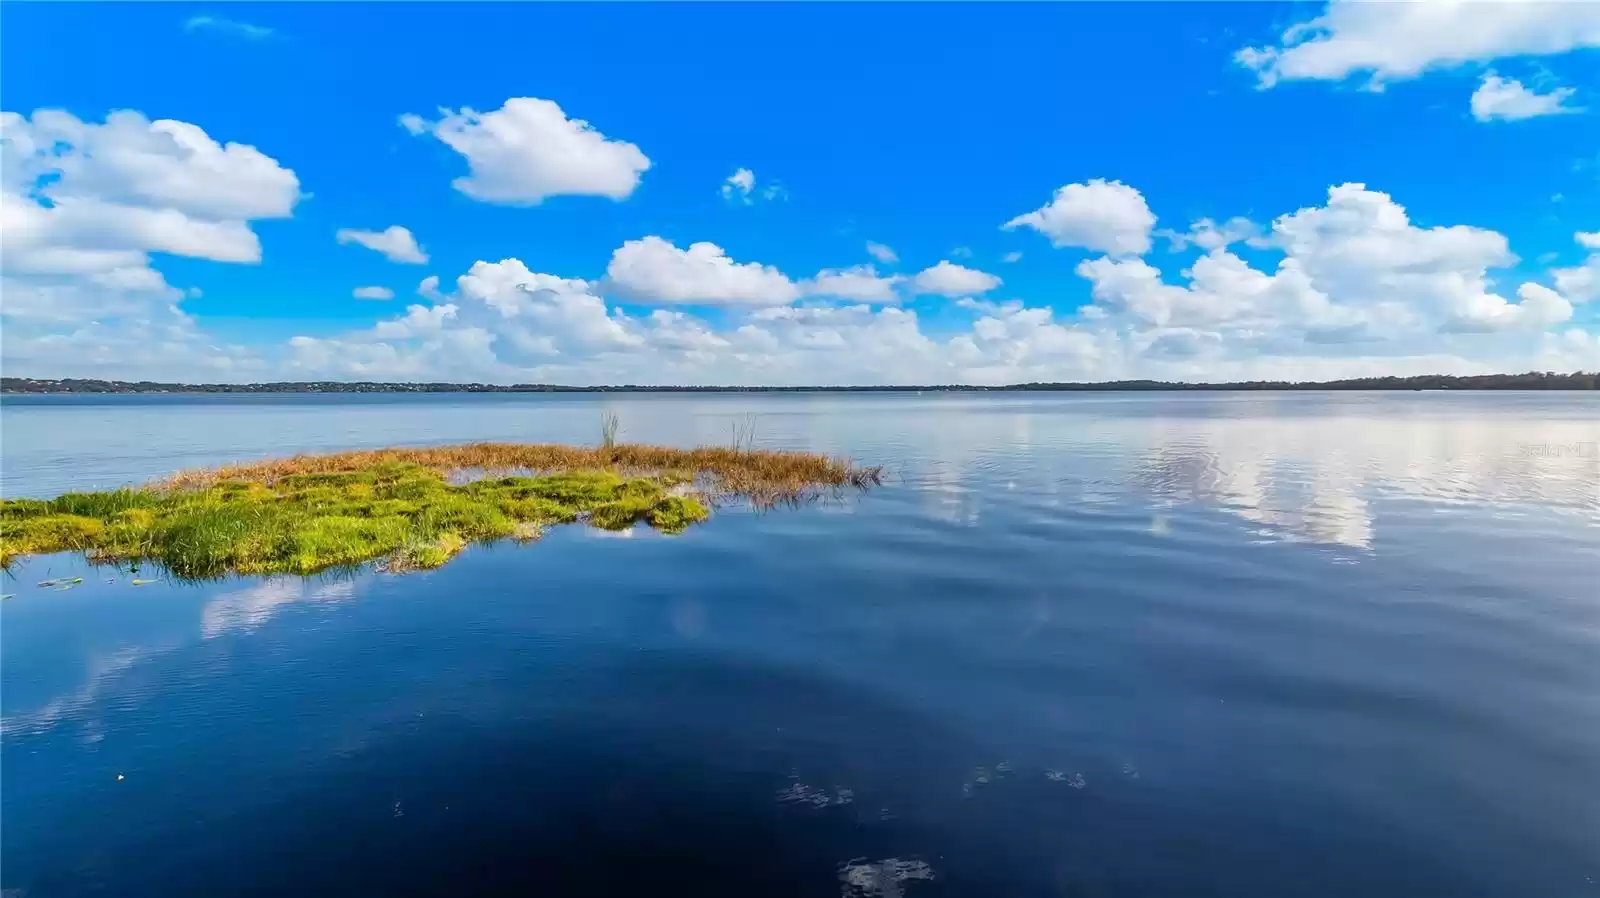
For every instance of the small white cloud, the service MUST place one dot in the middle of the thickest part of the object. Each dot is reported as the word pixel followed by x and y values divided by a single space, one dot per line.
pixel 227 26
pixel 961 252
pixel 1507 100
pixel 373 293
pixel 882 253
pixel 950 279
pixel 396 243
pixel 1012 257
pixel 1588 240
pixel 429 288
pixel 1107 216
pixel 739 186
pixel 529 150
pixel 654 269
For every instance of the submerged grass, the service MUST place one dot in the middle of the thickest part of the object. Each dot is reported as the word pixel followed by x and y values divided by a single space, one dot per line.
pixel 403 507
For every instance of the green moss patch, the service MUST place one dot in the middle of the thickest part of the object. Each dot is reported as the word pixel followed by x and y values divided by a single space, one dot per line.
pixel 404 515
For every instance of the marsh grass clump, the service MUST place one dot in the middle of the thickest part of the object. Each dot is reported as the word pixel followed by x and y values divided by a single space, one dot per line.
pixel 765 477
pixel 400 507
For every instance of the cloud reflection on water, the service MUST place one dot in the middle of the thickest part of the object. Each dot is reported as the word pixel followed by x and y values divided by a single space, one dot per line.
pixel 1312 469
pixel 246 610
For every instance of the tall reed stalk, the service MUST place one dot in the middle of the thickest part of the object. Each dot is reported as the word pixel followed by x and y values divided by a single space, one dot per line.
pixel 609 425
pixel 744 432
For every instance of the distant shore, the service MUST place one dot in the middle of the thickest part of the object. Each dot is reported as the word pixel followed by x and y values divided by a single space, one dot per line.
pixel 1530 381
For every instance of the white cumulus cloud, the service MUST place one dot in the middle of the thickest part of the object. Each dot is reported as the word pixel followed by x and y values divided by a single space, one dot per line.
pixel 952 280
pixel 1107 216
pixel 861 283
pixel 1355 271
pixel 83 205
pixel 1394 41
pixel 652 269
pixel 418 321
pixel 529 150
pixel 1357 289
pixel 395 242
pixel 1581 283
pixel 373 293
pixel 1506 99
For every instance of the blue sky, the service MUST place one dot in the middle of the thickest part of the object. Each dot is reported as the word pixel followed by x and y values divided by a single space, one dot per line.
pixel 924 129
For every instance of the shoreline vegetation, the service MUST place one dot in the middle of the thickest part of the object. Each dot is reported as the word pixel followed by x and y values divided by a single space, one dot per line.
pixel 1532 380
pixel 407 508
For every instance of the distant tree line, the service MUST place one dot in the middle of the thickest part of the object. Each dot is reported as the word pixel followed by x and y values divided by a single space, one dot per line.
pixel 1533 380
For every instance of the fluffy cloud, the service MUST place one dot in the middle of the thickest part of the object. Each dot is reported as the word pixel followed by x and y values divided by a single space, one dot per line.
pixel 654 270
pixel 861 283
pixel 505 322
pixel 1574 349
pixel 133 162
pixel 952 280
pixel 418 321
pixel 1581 283
pixel 739 185
pixel 1506 99
pixel 1107 216
pixel 1393 41
pixel 544 314
pixel 882 253
pixel 1352 287
pixel 1208 235
pixel 83 205
pixel 529 150
pixel 1357 290
pixel 1354 271
pixel 1011 343
pixel 1011 257
pixel 396 243
pixel 373 293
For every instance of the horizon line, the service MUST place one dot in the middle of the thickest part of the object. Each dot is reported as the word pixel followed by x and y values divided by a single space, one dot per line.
pixel 21 385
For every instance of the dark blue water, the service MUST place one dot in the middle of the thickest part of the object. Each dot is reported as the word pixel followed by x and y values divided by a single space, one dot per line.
pixel 1227 645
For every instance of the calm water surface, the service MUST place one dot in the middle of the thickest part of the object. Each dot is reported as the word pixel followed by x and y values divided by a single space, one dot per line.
pixel 1084 645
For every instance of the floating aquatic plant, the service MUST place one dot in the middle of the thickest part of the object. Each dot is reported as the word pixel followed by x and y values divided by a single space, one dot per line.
pixel 405 508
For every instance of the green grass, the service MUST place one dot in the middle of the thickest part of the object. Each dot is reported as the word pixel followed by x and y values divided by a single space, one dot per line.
pixel 400 507
pixel 404 515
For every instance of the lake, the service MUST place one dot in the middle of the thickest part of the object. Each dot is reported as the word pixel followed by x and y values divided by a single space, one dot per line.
pixel 1210 644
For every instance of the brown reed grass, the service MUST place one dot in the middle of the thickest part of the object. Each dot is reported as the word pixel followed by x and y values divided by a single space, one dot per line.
pixel 763 476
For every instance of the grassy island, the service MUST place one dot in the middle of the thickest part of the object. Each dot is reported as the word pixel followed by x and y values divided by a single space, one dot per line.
pixel 405 508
